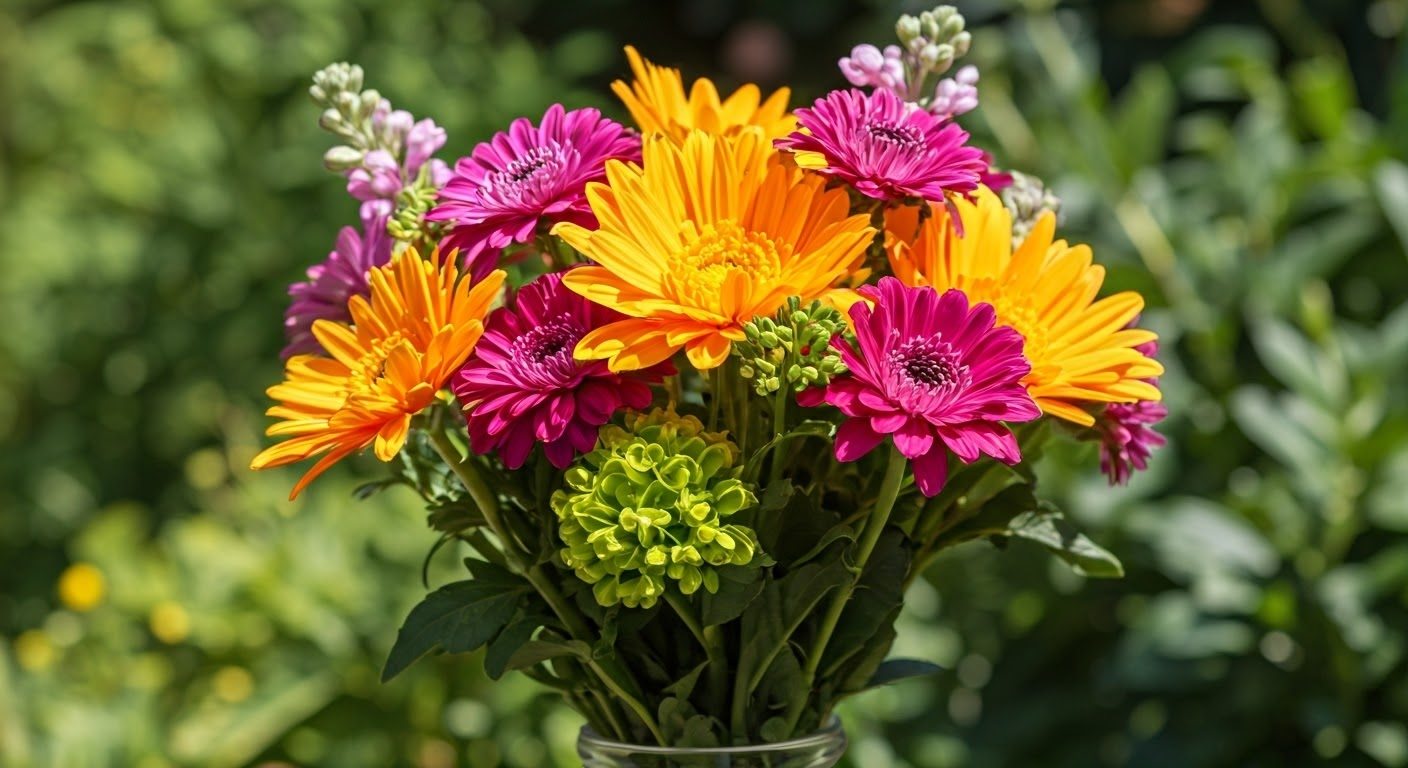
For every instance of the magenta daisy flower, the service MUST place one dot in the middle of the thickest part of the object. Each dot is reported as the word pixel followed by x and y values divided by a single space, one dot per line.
pixel 500 193
pixel 885 148
pixel 934 374
pixel 331 284
pixel 523 386
pixel 1127 437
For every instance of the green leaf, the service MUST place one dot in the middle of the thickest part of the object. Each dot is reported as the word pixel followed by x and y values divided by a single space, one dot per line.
pixel 875 603
pixel 502 649
pixel 1391 183
pixel 895 670
pixel 1298 364
pixel 1049 528
pixel 1142 119
pixel 835 534
pixel 769 622
pixel 535 651
pixel 683 688
pixel 457 617
pixel 605 646
pixel 739 586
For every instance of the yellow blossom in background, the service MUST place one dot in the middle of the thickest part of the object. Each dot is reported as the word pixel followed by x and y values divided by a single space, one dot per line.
pixel 1079 346
pixel 233 684
pixel 658 103
pixel 704 237
pixel 34 651
pixel 420 325
pixel 169 622
pixel 82 587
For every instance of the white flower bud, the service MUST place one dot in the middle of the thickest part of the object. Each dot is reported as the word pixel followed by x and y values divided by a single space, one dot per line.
pixel 341 158
pixel 907 29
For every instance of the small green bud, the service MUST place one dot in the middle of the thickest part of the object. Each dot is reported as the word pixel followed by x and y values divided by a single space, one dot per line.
pixel 907 29
pixel 341 158
pixel 330 119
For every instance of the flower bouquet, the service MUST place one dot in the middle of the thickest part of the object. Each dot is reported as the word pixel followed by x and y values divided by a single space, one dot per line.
pixel 754 370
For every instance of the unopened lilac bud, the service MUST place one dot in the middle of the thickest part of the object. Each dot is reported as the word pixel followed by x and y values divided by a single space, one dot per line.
pixel 936 58
pixel 862 65
pixel 370 99
pixel 348 103
pixel 342 158
pixel 422 140
pixel 961 43
pixel 956 95
pixel 398 124
pixel 330 120
pixel 907 29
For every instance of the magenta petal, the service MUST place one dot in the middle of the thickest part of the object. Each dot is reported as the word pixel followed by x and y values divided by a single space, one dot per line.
pixel 931 471
pixel 854 439
pixel 811 398
pixel 914 438
pixel 526 387
pixel 929 367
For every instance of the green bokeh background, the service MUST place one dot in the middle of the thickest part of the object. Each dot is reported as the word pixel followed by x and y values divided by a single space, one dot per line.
pixel 1241 163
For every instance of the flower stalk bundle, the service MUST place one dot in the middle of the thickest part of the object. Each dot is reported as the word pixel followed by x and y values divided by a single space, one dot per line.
pixel 754 369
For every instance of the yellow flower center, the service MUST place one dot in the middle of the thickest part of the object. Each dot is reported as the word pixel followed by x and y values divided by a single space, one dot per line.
pixel 702 269
pixel 1015 312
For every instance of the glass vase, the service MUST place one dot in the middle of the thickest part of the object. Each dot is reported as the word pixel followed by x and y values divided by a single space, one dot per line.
pixel 822 749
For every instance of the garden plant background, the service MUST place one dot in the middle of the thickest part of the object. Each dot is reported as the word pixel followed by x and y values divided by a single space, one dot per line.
pixel 1240 163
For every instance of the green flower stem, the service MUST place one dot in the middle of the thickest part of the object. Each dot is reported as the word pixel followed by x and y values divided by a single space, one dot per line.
pixel 712 642
pixel 483 545
pixel 889 491
pixel 609 671
pixel 779 426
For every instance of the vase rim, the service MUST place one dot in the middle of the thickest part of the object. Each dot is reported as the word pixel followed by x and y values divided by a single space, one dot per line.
pixel 828 732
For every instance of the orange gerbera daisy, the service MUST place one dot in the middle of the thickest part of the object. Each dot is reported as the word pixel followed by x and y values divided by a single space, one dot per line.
pixel 1080 348
pixel 657 102
pixel 400 350
pixel 706 236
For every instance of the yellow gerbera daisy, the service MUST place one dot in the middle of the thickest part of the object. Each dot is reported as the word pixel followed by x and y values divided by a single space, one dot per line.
pixel 1079 347
pixel 401 348
pixel 657 102
pixel 706 236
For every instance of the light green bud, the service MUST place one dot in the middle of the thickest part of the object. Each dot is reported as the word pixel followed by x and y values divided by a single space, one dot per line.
pixel 936 57
pixel 961 43
pixel 341 158
pixel 907 29
pixel 330 120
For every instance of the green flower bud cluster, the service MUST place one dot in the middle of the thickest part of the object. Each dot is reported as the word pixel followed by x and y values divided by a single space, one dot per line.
pixel 347 113
pixel 935 38
pixel 1028 199
pixel 408 225
pixel 794 349
pixel 650 505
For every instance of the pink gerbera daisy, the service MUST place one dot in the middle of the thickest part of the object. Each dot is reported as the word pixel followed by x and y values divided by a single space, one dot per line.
pixel 885 148
pixel 933 373
pixel 523 386
pixel 500 193
pixel 331 284
pixel 1126 431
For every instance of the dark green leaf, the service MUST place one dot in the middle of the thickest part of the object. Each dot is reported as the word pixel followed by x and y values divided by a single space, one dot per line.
pixel 874 604
pixel 1049 528
pixel 837 533
pixel 894 670
pixel 535 651
pixel 784 603
pixel 457 617
pixel 683 688
pixel 509 642
pixel 739 585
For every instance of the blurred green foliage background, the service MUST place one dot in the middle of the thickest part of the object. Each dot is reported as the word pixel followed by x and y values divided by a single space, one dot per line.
pixel 1241 163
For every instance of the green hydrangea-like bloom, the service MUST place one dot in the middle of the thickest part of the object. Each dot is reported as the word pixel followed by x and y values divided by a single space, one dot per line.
pixel 649 504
